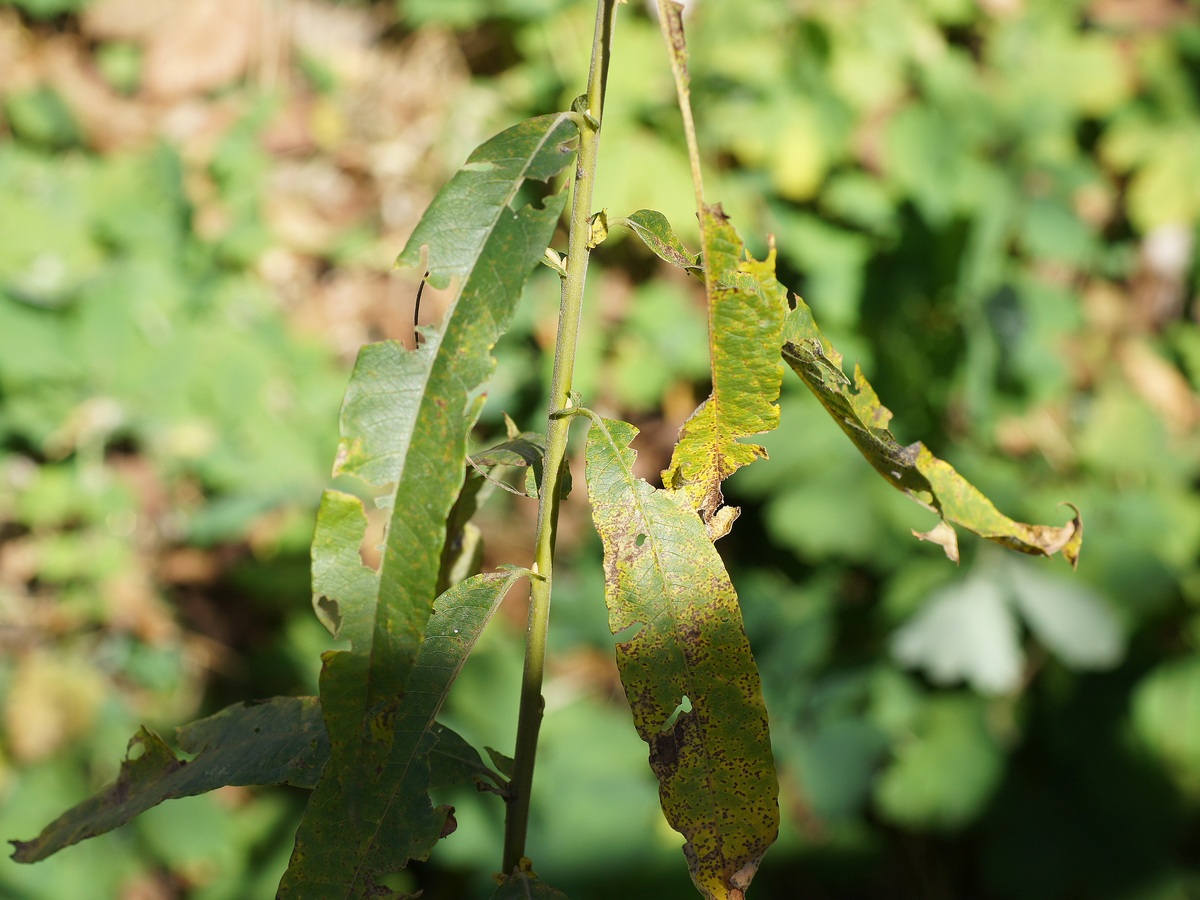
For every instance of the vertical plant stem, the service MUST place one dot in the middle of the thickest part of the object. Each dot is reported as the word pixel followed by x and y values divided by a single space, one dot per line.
pixel 529 719
pixel 670 21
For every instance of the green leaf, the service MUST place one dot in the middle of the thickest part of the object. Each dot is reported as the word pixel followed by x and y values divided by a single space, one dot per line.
pixel 405 421
pixel 687 670
pixel 462 554
pixel 965 631
pixel 946 769
pixel 746 309
pixel 472 221
pixel 358 830
pixel 656 233
pixel 453 761
pixel 1167 717
pixel 280 741
pixel 1069 618
pixel 525 450
pixel 912 469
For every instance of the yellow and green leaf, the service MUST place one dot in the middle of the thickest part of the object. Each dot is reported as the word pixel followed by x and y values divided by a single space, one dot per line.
pixel 687 668
pixel 746 310
pixel 911 468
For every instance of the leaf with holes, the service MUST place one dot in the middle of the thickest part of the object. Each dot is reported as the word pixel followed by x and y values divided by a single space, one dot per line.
pixel 746 309
pixel 912 469
pixel 280 741
pixel 404 425
pixel 688 672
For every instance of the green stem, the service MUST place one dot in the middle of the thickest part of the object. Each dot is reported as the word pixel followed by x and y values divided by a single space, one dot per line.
pixel 529 719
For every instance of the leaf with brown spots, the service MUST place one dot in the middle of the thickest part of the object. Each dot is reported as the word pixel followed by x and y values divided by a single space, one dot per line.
pixel 688 672
pixel 746 309
pixel 912 469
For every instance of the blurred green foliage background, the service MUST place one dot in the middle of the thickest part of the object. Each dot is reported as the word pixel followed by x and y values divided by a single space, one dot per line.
pixel 991 206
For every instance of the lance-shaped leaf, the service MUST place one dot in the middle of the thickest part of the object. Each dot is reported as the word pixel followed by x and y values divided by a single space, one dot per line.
pixel 525 450
pixel 279 741
pixel 361 835
pixel 404 425
pixel 912 468
pixel 656 233
pixel 688 672
pixel 746 310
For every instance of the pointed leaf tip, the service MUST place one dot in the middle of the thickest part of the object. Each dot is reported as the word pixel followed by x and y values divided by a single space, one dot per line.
pixel 912 469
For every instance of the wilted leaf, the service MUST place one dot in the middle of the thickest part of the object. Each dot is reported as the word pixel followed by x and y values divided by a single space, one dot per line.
pixel 912 469
pixel 405 421
pixel 687 669
pixel 280 741
pixel 746 308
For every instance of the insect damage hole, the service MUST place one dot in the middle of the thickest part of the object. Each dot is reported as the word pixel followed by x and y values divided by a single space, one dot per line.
pixel 684 706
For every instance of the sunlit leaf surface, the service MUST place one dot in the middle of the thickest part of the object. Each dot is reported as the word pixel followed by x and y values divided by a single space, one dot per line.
pixel 913 469
pixel 746 308
pixel 405 421
pixel 686 666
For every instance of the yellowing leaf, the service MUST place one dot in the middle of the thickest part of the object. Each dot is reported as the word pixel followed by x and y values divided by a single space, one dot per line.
pixel 913 469
pixel 688 672
pixel 746 309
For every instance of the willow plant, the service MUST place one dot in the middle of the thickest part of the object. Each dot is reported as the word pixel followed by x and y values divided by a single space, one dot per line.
pixel 371 748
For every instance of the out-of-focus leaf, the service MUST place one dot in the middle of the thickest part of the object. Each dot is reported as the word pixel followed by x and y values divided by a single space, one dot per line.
pixel 656 233
pixel 1073 621
pixel 686 666
pixel 912 469
pixel 964 632
pixel 405 421
pixel 280 741
pixel 945 772
pixel 1167 716
pixel 41 117
pixel 746 309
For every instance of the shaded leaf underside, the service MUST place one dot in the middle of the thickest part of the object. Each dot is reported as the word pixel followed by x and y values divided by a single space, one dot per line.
pixel 277 741
pixel 280 741
pixel 663 575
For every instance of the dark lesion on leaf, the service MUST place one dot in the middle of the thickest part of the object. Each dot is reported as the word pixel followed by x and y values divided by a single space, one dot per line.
pixel 668 745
